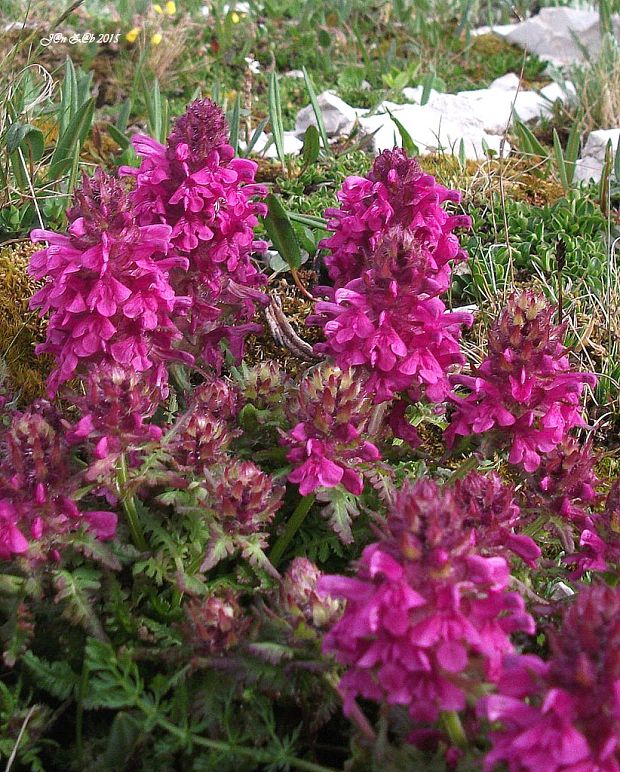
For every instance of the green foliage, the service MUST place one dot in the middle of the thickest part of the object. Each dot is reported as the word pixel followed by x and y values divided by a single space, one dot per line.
pixel 36 174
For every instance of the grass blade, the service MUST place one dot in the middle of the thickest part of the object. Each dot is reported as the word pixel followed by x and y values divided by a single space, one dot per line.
pixel 560 161
pixel 75 133
pixel 275 115
pixel 408 144
pixel 235 122
pixel 317 111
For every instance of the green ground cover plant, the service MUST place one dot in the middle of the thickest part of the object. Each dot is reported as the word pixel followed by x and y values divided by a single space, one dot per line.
pixel 305 462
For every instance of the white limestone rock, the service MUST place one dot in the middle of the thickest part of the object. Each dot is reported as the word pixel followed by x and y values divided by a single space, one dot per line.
pixel 508 82
pixel 556 34
pixel 530 106
pixel 266 147
pixel 338 117
pixel 431 130
pixel 493 108
pixel 499 29
pixel 415 94
pixel 590 165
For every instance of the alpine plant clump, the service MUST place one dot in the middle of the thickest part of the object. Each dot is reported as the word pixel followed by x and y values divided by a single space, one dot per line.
pixel 209 198
pixel 525 391
pixel 107 288
pixel 391 258
pixel 218 474
pixel 428 618
pixel 162 272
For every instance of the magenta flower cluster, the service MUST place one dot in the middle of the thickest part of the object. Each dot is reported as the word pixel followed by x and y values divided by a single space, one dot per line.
pixel 390 259
pixel 38 486
pixel 209 199
pixel 428 617
pixel 160 273
pixel 330 412
pixel 107 288
pixel 563 714
pixel 599 542
pixel 525 390
pixel 114 412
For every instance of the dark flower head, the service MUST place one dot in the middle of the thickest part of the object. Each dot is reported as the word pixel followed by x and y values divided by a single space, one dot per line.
pixel 215 624
pixel 243 497
pixel 38 481
pixel 218 397
pixel 201 442
pixel 490 508
pixel 427 523
pixel 330 412
pixel 201 129
pixel 398 173
pixel 113 412
pixel 100 204
pixel 524 332
pixel 300 599
pixel 571 719
pixel 585 652
pixel 265 384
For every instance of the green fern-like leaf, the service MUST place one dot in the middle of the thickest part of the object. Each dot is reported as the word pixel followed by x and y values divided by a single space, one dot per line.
pixel 115 682
pixel 76 591
pixel 340 509
pixel 95 550
pixel 57 678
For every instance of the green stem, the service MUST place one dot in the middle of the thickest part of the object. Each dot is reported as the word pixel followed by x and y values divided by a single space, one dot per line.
pixel 79 717
pixel 293 525
pixel 264 757
pixel 129 505
pixel 451 722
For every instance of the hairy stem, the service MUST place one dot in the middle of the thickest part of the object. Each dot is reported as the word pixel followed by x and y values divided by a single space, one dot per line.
pixel 264 757
pixel 129 505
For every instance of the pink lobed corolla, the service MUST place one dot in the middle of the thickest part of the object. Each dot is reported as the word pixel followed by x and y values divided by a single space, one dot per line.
pixel 107 289
pixel 212 203
pixel 525 390
pixel 390 258
pixel 12 540
pixel 425 610
pixel 395 193
pixel 330 411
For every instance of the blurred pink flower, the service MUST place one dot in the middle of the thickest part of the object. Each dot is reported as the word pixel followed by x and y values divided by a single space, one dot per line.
pixel 563 715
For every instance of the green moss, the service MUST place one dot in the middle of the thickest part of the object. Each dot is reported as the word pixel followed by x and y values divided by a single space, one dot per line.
pixel 20 329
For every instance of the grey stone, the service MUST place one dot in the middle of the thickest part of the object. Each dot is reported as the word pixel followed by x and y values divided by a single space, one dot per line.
pixel 590 165
pixel 556 34
pixel 338 117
